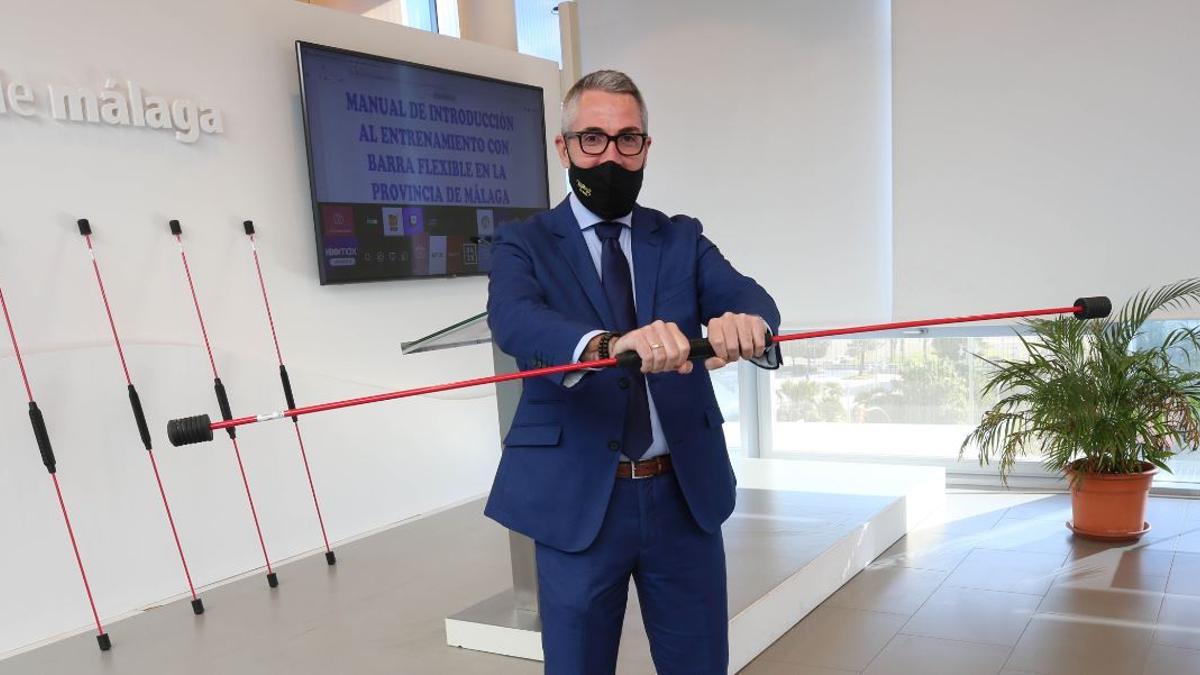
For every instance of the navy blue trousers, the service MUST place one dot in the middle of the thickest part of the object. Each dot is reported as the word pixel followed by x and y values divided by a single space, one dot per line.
pixel 649 534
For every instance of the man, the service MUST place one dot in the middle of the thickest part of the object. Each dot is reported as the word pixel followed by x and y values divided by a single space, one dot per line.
pixel 613 472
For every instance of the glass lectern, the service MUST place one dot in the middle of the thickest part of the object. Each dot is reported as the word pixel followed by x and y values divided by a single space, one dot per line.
pixel 507 623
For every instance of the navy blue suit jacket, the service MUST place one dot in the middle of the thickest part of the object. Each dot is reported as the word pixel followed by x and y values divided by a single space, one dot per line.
pixel 559 461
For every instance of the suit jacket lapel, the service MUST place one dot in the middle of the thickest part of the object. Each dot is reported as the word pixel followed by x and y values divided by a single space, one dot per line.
pixel 574 250
pixel 646 250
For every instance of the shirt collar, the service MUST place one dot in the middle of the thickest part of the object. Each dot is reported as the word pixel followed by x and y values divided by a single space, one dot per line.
pixel 587 219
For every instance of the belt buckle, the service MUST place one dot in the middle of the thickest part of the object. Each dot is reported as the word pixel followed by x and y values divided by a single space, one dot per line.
pixel 633 472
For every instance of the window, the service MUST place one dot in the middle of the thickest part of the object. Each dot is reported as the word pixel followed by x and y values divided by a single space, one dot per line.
pixel 537 29
pixel 422 14
pixel 903 397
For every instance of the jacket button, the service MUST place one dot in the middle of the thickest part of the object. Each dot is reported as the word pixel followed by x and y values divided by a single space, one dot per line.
pixel 614 445
pixel 623 383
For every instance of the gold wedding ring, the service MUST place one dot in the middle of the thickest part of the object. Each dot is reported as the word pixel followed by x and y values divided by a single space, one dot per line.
pixel 656 346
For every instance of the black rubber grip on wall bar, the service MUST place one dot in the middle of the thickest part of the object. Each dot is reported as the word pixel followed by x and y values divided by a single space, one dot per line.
pixel 1096 307
pixel 176 228
pixel 248 225
pixel 287 389
pixel 189 430
pixel 85 228
pixel 223 402
pixel 139 416
pixel 42 436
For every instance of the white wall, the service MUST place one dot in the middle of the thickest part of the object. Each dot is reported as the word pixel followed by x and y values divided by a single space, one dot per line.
pixel 373 465
pixel 770 124
pixel 1043 150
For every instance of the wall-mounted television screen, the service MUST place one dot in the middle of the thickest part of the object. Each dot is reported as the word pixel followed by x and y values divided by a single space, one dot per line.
pixel 414 168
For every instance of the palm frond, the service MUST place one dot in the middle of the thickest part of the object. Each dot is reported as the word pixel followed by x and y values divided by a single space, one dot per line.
pixel 1083 393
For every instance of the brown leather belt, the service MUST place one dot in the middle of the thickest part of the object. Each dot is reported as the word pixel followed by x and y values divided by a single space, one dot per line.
pixel 647 468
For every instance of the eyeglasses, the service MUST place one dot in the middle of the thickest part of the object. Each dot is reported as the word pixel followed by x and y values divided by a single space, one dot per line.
pixel 629 143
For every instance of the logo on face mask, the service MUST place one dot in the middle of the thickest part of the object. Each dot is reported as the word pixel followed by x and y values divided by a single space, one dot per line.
pixel 610 190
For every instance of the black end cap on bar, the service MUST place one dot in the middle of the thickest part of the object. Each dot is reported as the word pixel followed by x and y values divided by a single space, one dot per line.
pixel 85 228
pixel 103 640
pixel 198 606
pixel 189 430
pixel 330 558
pixel 1096 307
pixel 176 228
pixel 272 580
pixel 248 225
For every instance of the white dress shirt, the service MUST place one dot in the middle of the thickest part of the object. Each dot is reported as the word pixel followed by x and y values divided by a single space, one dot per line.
pixel 587 219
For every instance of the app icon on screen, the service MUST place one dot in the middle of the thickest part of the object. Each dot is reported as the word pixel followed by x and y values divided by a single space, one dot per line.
pixel 341 251
pixel 337 220
pixel 485 222
pixel 437 255
pixel 420 254
pixel 393 222
pixel 454 254
pixel 413 220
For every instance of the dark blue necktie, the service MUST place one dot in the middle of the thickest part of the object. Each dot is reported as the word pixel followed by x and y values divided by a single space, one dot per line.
pixel 618 288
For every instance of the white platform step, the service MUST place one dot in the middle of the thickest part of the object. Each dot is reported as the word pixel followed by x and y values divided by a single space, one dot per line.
pixel 800 531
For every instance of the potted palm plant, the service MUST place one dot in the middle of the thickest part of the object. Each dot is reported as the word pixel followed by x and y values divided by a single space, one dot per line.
pixel 1103 404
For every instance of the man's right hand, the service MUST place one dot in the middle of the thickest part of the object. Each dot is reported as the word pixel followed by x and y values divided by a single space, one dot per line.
pixel 662 346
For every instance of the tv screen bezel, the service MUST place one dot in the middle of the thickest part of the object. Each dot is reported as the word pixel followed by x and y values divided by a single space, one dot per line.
pixel 312 178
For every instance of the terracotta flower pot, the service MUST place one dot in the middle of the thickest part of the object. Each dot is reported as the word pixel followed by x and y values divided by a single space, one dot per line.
pixel 1111 507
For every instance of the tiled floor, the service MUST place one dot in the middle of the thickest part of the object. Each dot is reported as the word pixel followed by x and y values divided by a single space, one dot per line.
pixel 996 585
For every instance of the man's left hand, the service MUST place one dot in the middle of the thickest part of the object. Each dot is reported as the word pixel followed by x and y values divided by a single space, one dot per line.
pixel 735 336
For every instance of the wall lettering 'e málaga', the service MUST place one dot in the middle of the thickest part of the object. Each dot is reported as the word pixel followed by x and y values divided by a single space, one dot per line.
pixel 118 104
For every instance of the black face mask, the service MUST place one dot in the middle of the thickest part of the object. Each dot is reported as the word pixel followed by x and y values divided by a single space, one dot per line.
pixel 607 190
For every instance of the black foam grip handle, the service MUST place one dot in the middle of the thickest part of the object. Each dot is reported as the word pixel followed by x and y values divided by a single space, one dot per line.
pixel 701 348
pixel 223 402
pixel 248 225
pixel 1096 307
pixel 176 228
pixel 189 430
pixel 43 437
pixel 85 228
pixel 139 416
pixel 287 389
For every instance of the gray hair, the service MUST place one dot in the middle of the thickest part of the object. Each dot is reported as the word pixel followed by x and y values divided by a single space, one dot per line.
pixel 611 81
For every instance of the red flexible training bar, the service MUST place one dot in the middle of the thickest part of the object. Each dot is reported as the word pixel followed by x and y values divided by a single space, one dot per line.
pixel 200 428
pixel 43 440
pixel 139 415
pixel 330 557
pixel 223 401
